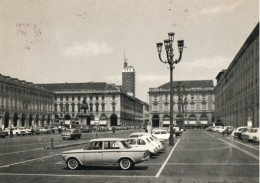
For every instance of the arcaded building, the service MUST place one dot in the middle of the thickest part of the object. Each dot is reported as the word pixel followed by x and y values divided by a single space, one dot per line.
pixel 193 103
pixel 108 105
pixel 24 104
pixel 237 89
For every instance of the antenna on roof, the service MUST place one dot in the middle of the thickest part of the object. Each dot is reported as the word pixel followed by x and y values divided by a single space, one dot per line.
pixel 125 60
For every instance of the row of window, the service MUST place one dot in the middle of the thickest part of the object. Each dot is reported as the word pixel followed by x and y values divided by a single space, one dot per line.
pixel 186 97
pixel 7 90
pixel 192 107
pixel 65 107
pixel 61 97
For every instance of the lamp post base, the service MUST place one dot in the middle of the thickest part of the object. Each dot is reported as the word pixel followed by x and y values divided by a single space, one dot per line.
pixel 171 142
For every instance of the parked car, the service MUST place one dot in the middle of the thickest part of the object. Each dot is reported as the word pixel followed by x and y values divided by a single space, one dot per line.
pixel 217 128
pixel 28 131
pixel 85 129
pixel 71 134
pixel 16 131
pixel 3 133
pixel 177 131
pixel 142 143
pixel 162 135
pixel 220 130
pixel 245 133
pixel 238 131
pixel 154 140
pixel 256 137
pixel 105 151
pixel 251 135
pixel 228 130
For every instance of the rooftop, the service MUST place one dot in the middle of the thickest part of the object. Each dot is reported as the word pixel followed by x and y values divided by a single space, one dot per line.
pixel 79 86
pixel 189 84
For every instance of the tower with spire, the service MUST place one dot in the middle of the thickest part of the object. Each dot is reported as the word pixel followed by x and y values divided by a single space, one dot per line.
pixel 128 78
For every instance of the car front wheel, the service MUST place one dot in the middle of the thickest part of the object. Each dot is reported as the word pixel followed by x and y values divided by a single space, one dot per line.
pixel 73 164
pixel 125 164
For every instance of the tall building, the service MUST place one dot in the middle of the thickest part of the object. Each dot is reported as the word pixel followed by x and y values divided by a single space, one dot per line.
pixel 128 79
pixel 237 89
pixel 193 103
pixel 24 104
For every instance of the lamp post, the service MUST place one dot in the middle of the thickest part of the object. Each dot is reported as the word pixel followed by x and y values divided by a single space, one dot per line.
pixel 169 54
pixel 64 110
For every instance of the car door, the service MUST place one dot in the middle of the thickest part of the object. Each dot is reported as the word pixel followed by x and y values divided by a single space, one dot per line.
pixel 111 152
pixel 93 154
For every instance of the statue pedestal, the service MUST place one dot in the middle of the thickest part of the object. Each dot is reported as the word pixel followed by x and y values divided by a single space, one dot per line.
pixel 83 119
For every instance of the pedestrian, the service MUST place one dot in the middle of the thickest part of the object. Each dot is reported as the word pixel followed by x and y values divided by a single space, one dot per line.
pixel 11 132
pixel 114 129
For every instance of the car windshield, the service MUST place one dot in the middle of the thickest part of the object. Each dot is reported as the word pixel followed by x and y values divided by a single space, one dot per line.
pixel 163 132
pixel 126 145
pixel 134 136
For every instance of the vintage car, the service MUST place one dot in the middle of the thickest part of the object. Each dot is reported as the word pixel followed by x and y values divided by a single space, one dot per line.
pixel 16 131
pixel 162 135
pixel 3 133
pixel 256 137
pixel 103 151
pixel 245 134
pixel 238 131
pixel 177 131
pixel 143 143
pixel 71 134
pixel 28 131
pixel 254 132
pixel 227 130
pixel 154 140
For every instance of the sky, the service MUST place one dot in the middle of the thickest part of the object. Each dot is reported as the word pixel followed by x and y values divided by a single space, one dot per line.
pixel 57 41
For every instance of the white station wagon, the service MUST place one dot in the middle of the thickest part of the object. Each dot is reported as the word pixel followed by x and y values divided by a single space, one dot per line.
pixel 105 151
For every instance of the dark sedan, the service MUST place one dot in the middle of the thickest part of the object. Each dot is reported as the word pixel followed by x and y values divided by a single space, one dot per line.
pixel 71 134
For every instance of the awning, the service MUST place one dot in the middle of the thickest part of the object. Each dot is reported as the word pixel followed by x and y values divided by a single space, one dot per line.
pixel 192 122
pixel 166 122
pixel 204 122
pixel 67 122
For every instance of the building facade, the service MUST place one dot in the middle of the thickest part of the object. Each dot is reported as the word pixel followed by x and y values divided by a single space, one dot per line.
pixel 24 104
pixel 237 89
pixel 107 104
pixel 128 79
pixel 193 103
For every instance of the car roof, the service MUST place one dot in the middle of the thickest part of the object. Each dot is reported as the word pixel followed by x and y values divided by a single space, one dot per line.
pixel 159 130
pixel 140 137
pixel 138 133
pixel 108 139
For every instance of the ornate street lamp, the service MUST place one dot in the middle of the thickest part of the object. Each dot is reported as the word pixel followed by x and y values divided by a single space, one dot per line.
pixel 169 54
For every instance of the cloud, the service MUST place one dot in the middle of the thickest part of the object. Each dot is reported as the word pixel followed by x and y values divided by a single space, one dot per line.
pixel 218 9
pixel 91 48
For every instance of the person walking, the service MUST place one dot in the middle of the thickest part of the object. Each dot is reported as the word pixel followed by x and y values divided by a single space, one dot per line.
pixel 11 132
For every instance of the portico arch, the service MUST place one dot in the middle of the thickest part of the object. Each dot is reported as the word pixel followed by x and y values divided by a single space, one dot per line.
pixel 15 119
pixel 6 119
pixel 43 119
pixel 23 120
pixel 155 121
pixel 113 120
pixel 30 120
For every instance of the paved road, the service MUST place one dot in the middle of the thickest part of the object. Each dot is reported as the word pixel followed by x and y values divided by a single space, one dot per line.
pixel 198 156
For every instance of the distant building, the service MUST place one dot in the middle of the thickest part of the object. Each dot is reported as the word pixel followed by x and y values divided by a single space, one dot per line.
pixel 107 104
pixel 128 79
pixel 24 104
pixel 195 104
pixel 237 89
